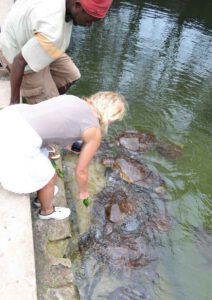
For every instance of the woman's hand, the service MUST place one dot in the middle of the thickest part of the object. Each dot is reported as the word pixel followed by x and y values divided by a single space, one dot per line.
pixel 83 195
pixel 92 140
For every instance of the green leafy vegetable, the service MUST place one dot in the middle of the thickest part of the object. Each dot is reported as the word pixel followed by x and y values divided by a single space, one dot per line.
pixel 87 202
pixel 57 169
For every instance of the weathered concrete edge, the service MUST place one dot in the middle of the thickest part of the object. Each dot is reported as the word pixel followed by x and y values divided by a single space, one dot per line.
pixel 17 277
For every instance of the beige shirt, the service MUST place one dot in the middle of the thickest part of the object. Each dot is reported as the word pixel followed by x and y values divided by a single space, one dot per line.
pixel 59 120
pixel 38 30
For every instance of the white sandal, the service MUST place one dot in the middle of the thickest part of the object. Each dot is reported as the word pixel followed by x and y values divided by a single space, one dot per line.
pixel 53 153
pixel 59 213
pixel 36 201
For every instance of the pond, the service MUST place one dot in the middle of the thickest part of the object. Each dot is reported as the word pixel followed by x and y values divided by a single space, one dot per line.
pixel 158 54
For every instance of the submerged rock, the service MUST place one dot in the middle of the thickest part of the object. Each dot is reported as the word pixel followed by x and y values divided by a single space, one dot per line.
pixel 115 213
pixel 131 224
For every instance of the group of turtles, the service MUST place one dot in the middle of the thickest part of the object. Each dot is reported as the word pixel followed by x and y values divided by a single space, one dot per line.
pixel 129 217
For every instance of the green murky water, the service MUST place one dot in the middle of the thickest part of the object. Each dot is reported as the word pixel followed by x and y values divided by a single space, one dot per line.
pixel 158 54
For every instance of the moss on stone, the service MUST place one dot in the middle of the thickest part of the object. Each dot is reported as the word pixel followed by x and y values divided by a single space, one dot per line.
pixel 57 248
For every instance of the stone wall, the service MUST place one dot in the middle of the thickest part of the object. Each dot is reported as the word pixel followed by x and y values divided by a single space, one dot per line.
pixel 53 267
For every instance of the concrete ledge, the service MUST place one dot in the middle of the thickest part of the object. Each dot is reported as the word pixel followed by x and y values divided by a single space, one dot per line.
pixel 17 277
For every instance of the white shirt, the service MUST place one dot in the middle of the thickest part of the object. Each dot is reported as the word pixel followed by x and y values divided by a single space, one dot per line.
pixel 38 30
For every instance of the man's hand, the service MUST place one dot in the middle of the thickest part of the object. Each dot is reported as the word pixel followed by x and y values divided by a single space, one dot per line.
pixel 16 76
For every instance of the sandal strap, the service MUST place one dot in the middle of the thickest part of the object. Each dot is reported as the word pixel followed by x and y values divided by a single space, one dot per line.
pixel 47 214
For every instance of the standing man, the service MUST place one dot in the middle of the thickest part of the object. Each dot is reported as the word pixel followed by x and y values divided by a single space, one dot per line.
pixel 33 42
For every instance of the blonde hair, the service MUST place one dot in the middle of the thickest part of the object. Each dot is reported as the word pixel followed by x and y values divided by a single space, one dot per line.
pixel 110 107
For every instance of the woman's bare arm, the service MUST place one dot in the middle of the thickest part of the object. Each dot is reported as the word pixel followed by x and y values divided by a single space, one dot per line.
pixel 92 140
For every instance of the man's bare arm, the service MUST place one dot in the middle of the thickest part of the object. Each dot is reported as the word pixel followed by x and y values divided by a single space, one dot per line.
pixel 16 76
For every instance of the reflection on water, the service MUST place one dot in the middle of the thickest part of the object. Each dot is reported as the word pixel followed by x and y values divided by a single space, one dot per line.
pixel 159 55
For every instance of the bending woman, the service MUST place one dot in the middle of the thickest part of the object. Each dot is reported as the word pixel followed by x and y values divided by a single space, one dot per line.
pixel 61 120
